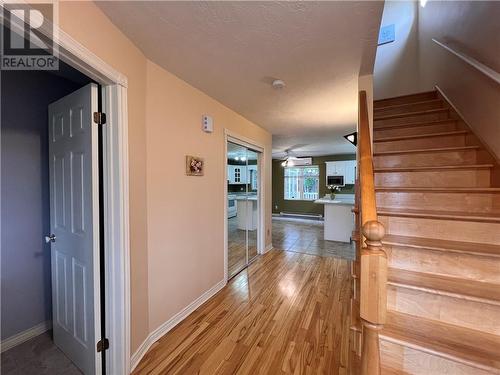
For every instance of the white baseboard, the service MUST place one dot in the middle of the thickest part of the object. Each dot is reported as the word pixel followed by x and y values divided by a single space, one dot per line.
pixel 172 322
pixel 269 247
pixel 21 337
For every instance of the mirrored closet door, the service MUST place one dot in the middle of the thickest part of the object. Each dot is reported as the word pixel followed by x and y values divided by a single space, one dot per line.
pixel 242 205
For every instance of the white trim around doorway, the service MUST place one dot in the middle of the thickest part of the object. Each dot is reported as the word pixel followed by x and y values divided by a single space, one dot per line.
pixel 230 136
pixel 116 190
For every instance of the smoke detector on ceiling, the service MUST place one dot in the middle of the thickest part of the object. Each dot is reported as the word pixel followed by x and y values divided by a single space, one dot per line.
pixel 278 84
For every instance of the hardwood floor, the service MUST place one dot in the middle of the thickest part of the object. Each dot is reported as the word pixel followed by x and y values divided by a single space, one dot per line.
pixel 286 314
pixel 307 236
pixel 237 246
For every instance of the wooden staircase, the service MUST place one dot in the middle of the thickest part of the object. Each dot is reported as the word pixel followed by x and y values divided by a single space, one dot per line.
pixel 438 197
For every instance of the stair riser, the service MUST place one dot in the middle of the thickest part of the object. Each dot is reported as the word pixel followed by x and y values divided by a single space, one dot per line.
pixel 459 265
pixel 421 117
pixel 414 130
pixel 412 361
pixel 484 202
pixel 404 100
pixel 476 315
pixel 453 230
pixel 440 178
pixel 426 159
pixel 413 107
pixel 421 143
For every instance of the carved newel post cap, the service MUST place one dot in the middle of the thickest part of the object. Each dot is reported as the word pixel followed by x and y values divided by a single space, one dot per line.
pixel 373 230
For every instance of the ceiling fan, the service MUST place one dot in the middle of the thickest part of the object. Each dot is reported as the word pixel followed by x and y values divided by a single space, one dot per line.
pixel 290 155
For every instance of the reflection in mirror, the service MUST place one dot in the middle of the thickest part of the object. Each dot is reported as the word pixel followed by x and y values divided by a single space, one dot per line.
pixel 243 206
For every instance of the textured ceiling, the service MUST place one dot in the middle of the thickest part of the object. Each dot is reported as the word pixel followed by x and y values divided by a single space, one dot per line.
pixel 233 50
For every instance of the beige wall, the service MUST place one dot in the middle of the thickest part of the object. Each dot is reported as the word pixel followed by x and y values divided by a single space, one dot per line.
pixel 396 63
pixel 473 28
pixel 170 264
pixel 186 214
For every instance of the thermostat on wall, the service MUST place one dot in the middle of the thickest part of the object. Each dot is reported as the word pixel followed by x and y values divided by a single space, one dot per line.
pixel 207 124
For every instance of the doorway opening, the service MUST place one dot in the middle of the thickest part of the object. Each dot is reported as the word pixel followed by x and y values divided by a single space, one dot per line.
pixel 47 220
pixel 313 199
pixel 243 206
pixel 75 62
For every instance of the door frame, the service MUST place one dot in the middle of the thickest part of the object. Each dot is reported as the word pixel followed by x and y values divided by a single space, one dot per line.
pixel 230 136
pixel 116 189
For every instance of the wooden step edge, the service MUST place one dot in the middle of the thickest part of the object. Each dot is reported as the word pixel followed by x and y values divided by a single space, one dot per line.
pixel 426 150
pixel 440 215
pixel 432 168
pixel 441 292
pixel 408 104
pixel 406 96
pixel 453 246
pixel 412 124
pixel 409 114
pixel 418 136
pixel 451 190
pixel 398 337
pixel 400 340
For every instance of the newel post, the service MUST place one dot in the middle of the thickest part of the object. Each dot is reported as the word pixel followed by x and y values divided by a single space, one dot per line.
pixel 373 302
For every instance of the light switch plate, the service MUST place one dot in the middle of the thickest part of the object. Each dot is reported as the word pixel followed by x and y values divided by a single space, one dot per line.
pixel 207 124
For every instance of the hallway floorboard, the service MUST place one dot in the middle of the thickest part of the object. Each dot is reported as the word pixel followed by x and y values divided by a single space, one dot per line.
pixel 286 314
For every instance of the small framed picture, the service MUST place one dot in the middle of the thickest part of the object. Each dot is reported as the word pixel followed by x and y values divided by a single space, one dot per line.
pixel 194 166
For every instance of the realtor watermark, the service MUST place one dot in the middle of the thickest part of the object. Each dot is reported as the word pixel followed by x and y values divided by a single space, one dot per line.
pixel 29 36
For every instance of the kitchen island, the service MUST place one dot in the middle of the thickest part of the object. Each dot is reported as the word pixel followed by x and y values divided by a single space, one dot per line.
pixel 339 218
pixel 247 211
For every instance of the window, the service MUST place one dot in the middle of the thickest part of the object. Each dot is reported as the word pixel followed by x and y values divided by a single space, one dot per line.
pixel 302 183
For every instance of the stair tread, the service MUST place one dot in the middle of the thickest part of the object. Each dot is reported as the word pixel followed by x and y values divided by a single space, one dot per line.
pixel 490 217
pixel 417 136
pixel 377 101
pixel 426 150
pixel 408 104
pixel 411 124
pixel 471 190
pixel 431 168
pixel 445 284
pixel 449 341
pixel 443 245
pixel 408 114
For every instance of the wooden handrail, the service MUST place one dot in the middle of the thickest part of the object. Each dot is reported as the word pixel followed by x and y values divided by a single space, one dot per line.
pixel 367 188
pixel 372 257
pixel 486 70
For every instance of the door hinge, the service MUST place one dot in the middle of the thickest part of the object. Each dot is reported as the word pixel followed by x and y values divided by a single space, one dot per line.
pixel 99 118
pixel 102 345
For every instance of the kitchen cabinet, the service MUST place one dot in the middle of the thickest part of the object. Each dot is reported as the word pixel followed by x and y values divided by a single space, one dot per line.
pixel 346 168
pixel 237 174
pixel 350 172
pixel 335 168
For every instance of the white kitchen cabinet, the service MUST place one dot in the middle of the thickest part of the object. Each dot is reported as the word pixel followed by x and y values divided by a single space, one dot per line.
pixel 333 168
pixel 237 174
pixel 346 168
pixel 350 172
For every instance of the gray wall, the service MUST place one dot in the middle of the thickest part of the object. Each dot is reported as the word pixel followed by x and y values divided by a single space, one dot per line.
pixel 25 258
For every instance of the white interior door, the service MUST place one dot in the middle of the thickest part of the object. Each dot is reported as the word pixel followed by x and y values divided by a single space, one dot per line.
pixel 74 221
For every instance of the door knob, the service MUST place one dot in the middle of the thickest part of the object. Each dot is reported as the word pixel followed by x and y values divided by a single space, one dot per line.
pixel 50 238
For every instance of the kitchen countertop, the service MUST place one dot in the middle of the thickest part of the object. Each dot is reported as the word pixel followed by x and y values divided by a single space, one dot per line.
pixel 246 197
pixel 337 201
